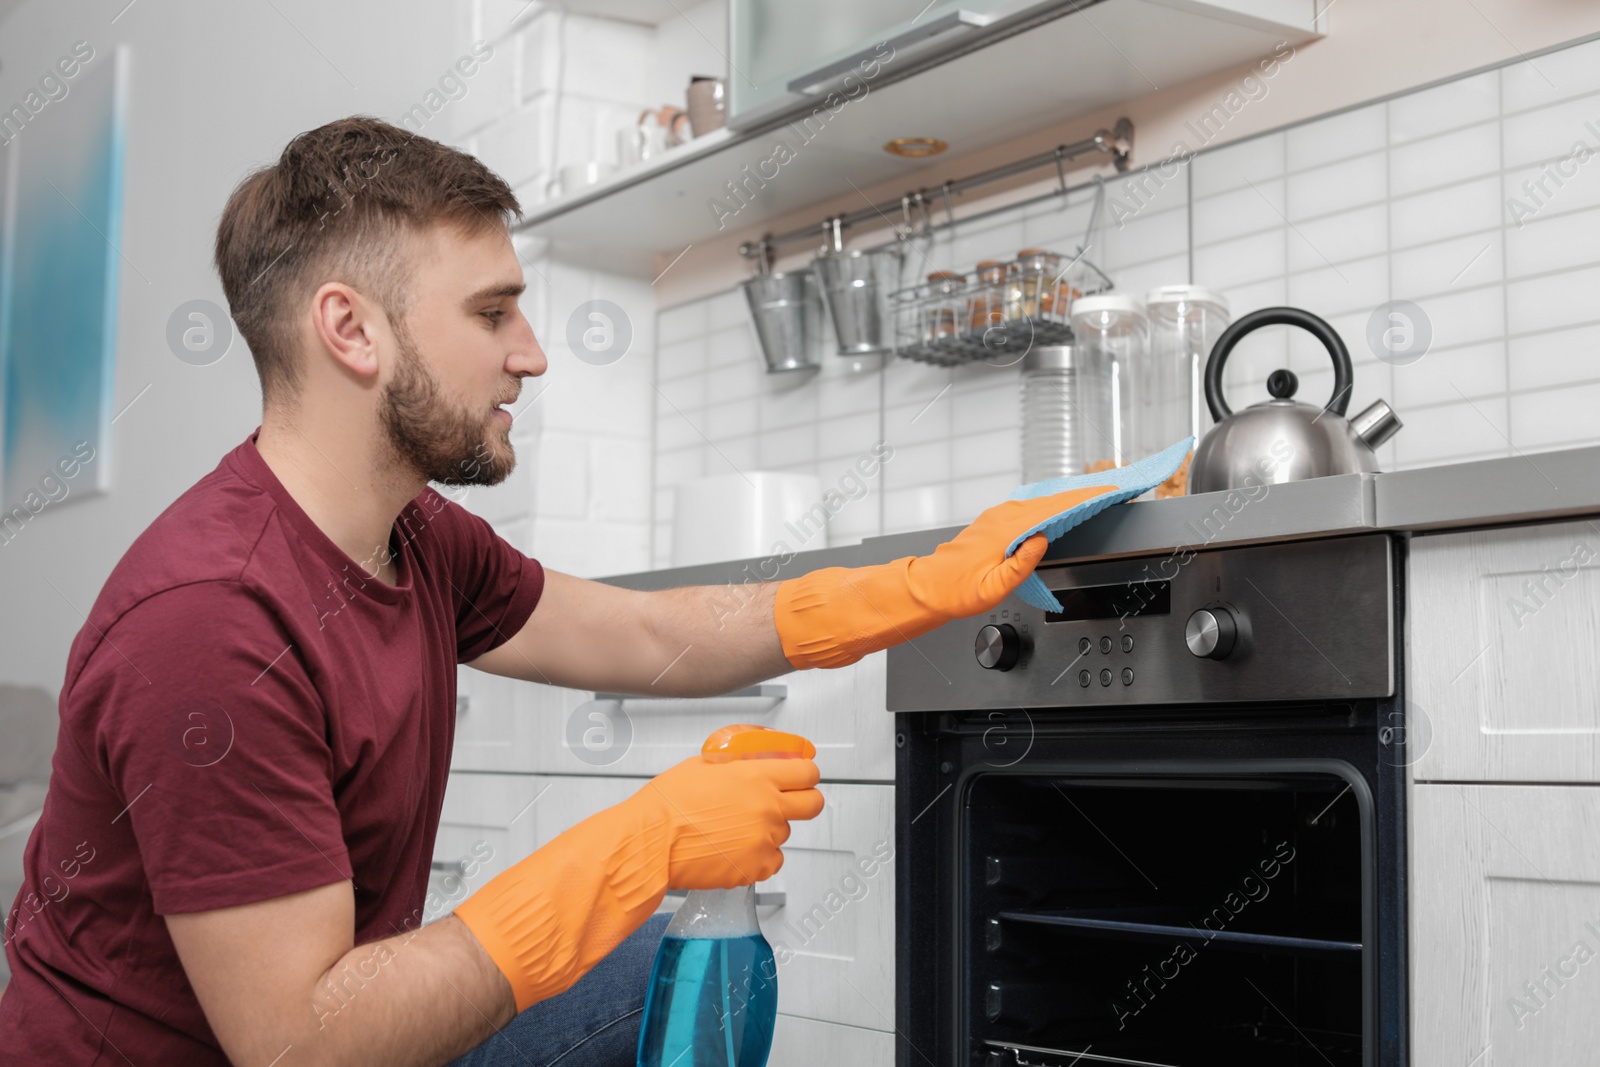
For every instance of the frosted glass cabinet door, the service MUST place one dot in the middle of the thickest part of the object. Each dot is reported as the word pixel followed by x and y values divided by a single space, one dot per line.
pixel 775 42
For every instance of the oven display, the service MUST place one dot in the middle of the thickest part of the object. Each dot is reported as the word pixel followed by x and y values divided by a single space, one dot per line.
pixel 1125 600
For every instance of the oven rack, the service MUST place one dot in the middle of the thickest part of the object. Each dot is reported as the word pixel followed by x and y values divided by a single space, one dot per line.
pixel 1135 923
pixel 1256 1047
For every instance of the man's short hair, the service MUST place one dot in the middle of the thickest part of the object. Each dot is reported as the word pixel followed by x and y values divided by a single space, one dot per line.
pixel 338 205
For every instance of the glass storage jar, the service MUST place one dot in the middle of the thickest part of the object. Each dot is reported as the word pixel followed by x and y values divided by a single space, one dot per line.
pixel 987 304
pixel 1040 277
pixel 1168 389
pixel 1113 328
pixel 945 312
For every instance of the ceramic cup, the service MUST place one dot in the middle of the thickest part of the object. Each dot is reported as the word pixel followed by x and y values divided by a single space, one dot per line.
pixel 708 104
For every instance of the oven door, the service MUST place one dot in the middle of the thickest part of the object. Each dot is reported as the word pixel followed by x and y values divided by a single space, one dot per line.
pixel 1133 893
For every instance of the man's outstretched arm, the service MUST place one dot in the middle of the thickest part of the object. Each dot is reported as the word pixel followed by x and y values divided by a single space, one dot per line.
pixel 282 978
pixel 709 639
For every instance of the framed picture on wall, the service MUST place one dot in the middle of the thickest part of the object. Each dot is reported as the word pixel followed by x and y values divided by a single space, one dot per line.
pixel 61 176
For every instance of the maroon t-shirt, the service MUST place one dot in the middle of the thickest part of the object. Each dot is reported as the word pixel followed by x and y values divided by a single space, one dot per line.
pixel 245 714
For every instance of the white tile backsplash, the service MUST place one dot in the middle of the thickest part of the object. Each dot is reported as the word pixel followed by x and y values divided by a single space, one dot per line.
pixel 1338 186
pixel 1457 103
pixel 1334 239
pixel 1404 199
pixel 1318 143
pixel 1444 160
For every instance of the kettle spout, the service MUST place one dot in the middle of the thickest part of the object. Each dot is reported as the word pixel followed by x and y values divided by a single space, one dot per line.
pixel 1375 424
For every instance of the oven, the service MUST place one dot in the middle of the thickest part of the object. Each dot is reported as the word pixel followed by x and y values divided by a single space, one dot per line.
pixel 1163 826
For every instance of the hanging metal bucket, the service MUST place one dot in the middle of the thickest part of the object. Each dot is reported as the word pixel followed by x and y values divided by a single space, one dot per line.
pixel 786 311
pixel 856 287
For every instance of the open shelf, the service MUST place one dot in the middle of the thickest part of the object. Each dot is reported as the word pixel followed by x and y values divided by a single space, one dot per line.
pixel 1083 58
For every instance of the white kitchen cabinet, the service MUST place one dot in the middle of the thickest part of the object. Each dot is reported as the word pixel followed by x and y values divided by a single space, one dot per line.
pixel 807 1042
pixel 834 936
pixel 494 722
pixel 1504 925
pixel 1502 637
pixel 521 726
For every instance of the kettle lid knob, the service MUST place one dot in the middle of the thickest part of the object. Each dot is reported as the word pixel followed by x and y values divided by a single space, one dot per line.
pixel 1282 384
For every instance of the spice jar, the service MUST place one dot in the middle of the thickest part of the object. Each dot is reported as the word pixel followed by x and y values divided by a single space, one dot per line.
pixel 1040 276
pixel 946 304
pixel 987 304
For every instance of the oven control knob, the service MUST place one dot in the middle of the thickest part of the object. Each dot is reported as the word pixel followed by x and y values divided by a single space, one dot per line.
pixel 1211 633
pixel 998 647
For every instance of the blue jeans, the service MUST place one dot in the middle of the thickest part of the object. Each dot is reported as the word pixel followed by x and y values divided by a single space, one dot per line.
pixel 593 1024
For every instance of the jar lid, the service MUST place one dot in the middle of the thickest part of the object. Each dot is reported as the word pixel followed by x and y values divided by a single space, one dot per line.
pixel 1186 294
pixel 1048 357
pixel 985 264
pixel 1119 303
pixel 944 276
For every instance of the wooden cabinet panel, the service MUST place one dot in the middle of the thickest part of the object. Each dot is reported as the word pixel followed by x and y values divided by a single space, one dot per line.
pixel 1505 925
pixel 1503 650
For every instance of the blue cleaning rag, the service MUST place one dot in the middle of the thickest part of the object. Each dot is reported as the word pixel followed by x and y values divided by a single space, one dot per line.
pixel 1133 480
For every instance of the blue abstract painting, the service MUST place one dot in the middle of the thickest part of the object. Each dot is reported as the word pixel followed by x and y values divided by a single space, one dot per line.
pixel 60 235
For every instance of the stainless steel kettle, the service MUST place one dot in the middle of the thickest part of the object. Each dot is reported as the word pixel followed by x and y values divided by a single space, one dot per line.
pixel 1283 440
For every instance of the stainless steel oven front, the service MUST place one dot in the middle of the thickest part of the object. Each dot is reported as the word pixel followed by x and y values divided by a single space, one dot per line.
pixel 1163 825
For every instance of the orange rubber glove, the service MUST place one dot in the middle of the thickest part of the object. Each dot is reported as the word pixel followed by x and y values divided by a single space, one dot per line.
pixel 833 616
pixel 699 825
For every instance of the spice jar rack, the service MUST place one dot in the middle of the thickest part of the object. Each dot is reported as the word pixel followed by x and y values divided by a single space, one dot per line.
pixel 999 309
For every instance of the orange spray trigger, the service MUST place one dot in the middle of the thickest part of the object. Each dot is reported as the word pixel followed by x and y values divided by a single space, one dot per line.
pixel 744 741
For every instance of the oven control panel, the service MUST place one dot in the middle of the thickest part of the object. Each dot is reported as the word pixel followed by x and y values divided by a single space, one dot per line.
pixel 1307 620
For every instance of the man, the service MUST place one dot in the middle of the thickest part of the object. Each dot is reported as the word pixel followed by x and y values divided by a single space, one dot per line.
pixel 256 719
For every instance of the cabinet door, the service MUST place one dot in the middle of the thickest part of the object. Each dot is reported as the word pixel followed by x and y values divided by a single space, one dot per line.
pixel 1505 925
pixel 807 1042
pixel 495 720
pixel 1503 627
pixel 841 711
pixel 833 939
pixel 484 827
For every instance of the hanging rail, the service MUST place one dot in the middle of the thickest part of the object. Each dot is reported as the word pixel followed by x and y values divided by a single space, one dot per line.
pixel 1117 142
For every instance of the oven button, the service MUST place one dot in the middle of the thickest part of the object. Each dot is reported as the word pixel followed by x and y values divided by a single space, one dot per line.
pixel 1084 645
pixel 1105 645
pixel 1127 642
pixel 998 647
pixel 1105 676
pixel 1127 676
pixel 1084 678
pixel 1210 633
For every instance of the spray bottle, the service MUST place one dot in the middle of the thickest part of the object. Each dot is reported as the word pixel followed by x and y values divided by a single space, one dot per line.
pixel 713 998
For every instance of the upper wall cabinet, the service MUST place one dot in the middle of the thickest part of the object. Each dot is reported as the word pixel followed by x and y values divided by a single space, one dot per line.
pixel 819 88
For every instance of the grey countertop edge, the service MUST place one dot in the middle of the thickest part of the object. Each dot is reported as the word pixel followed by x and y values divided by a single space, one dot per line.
pixel 1493 492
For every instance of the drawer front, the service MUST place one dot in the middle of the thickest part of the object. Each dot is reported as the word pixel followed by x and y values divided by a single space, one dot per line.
pixel 1505 924
pixel 833 940
pixel 485 826
pixel 1503 646
pixel 841 711
pixel 808 1042
pixel 494 722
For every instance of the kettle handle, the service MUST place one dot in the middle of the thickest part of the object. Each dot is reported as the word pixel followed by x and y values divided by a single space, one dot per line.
pixel 1343 373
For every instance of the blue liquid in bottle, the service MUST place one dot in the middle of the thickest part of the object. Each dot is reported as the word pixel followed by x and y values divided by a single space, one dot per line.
pixel 713 1001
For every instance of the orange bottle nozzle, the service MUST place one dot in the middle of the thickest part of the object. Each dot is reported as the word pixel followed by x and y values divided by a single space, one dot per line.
pixel 744 741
